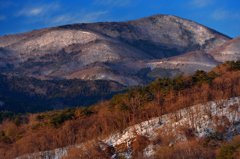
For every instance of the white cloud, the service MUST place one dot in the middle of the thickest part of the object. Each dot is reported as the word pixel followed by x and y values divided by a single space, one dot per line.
pixel 201 3
pixel 35 11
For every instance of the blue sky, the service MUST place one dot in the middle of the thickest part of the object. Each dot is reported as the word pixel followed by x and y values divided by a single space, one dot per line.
pixel 17 16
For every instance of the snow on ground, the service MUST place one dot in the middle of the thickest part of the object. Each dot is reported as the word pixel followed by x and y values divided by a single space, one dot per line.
pixel 203 118
pixel 52 154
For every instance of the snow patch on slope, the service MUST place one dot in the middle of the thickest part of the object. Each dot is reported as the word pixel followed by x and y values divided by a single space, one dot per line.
pixel 197 117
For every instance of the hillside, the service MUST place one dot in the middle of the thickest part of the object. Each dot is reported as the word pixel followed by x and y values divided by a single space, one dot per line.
pixel 92 51
pixel 196 122
pixel 28 94
pixel 167 101
pixel 227 51
pixel 187 63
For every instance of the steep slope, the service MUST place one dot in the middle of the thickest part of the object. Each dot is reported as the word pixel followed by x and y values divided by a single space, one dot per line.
pixel 60 52
pixel 228 51
pixel 175 124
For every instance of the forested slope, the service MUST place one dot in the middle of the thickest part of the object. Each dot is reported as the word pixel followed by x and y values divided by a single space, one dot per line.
pixel 27 94
pixel 44 131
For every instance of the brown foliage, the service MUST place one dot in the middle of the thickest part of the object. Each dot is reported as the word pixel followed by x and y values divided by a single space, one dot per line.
pixel 192 149
pixel 188 133
pixel 222 123
pixel 140 143
pixel 90 150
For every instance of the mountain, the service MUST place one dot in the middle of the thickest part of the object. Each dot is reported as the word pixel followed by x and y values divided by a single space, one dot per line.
pixel 119 51
pixel 227 51
pixel 187 63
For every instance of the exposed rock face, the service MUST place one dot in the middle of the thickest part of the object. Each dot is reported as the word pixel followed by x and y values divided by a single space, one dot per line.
pixel 228 51
pixel 122 48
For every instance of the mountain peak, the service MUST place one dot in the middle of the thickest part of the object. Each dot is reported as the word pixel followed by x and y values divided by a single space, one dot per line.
pixel 68 51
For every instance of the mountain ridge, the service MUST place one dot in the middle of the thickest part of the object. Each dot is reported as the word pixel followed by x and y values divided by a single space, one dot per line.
pixel 61 52
pixel 227 51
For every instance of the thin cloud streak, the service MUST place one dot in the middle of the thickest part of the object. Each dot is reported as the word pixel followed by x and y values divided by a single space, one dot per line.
pixel 62 19
pixel 81 17
pixel 54 14
pixel 222 14
pixel 38 10
pixel 6 4
pixel 92 17
pixel 201 3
